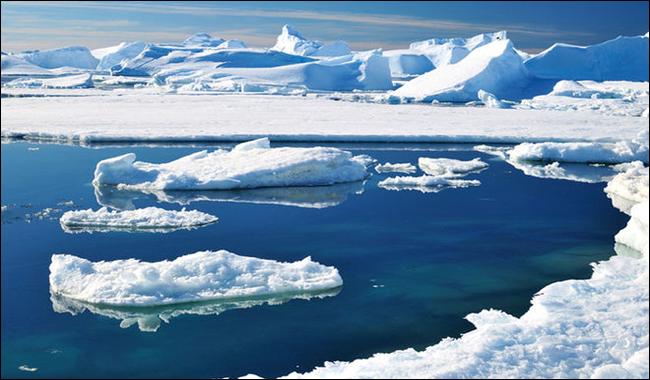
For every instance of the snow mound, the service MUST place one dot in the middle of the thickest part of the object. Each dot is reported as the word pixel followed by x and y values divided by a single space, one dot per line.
pixel 200 276
pixel 150 218
pixel 593 328
pixel 445 51
pixel 623 58
pixel 448 167
pixel 425 183
pixel 69 81
pixel 491 101
pixel 148 319
pixel 202 40
pixel 587 152
pixel 75 56
pixel 635 234
pixel 248 165
pixel 629 188
pixel 290 41
pixel 399 168
pixel 495 68
pixel 125 50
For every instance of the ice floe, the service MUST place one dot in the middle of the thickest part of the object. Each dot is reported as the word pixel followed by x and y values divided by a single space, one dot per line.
pixel 248 165
pixel 425 183
pixel 200 276
pixel 151 219
pixel 149 319
pixel 588 152
pixel 396 168
pixel 448 167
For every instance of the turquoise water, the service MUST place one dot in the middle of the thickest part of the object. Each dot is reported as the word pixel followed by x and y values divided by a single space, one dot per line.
pixel 413 264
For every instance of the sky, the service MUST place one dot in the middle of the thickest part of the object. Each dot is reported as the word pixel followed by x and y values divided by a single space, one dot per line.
pixel 532 26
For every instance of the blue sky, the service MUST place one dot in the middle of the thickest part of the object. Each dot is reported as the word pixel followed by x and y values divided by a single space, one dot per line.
pixel 532 25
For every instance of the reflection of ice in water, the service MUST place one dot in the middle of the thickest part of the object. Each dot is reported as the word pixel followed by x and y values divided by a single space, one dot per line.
pixel 148 318
pixel 571 172
pixel 305 196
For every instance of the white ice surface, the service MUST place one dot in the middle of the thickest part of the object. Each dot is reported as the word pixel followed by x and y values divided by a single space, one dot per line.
pixel 200 276
pixel 149 218
pixel 448 167
pixel 248 165
pixel 594 328
pixel 444 51
pixel 395 168
pixel 73 56
pixel 125 50
pixel 425 183
pixel 290 41
pixel 69 81
pixel 143 118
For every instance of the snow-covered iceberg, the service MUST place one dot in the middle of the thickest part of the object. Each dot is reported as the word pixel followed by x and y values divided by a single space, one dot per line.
pixel 405 63
pixel 202 40
pixel 149 319
pixel 290 41
pixel 449 167
pixel 317 197
pixel 495 67
pixel 425 183
pixel 445 51
pixel 151 219
pixel 74 56
pixel 248 165
pixel 17 66
pixel 200 276
pixel 395 168
pixel 623 58
pixel 125 50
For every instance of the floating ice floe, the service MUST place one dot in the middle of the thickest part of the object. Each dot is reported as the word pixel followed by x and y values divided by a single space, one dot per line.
pixel 200 276
pixel 630 187
pixel 248 165
pixel 566 171
pixel 593 328
pixel 448 167
pixel 149 219
pixel 623 58
pixel 69 81
pixel 425 183
pixel 396 168
pixel 296 196
pixel 497 151
pixel 27 368
pixel 148 319
pixel 587 152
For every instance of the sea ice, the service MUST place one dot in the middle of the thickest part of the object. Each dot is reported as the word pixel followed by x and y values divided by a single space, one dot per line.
pixel 200 276
pixel 588 152
pixel 395 168
pixel 425 183
pixel 69 81
pixel 151 219
pixel 448 167
pixel 248 165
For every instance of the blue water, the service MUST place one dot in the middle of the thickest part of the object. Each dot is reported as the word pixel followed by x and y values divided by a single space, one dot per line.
pixel 413 264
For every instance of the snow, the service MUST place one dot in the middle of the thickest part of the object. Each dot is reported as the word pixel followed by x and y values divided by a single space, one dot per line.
pixel 448 167
pixel 125 50
pixel 232 44
pixel 491 101
pixel 588 152
pixel 593 328
pixel 74 56
pixel 290 41
pixel 623 58
pixel 202 40
pixel 248 165
pixel 175 118
pixel 149 218
pixel 629 188
pixel 495 67
pixel 200 276
pixel 15 65
pixel 425 183
pixel 69 81
pixel 399 168
pixel 406 63
pixel 148 319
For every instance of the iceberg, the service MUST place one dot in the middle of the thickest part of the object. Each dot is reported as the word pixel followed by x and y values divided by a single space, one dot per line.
pixel 399 168
pixel 151 219
pixel 445 51
pixel 406 63
pixel 148 319
pixel 74 56
pixel 495 67
pixel 623 58
pixel 123 51
pixel 248 165
pixel 425 183
pixel 448 167
pixel 197 277
pixel 290 41
pixel 202 40
pixel 17 66
pixel 491 101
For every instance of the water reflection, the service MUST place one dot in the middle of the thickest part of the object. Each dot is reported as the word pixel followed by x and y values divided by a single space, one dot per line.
pixel 566 171
pixel 149 318
pixel 308 196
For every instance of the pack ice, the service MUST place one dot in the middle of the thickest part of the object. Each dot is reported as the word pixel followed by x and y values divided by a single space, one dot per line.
pixel 441 173
pixel 200 276
pixel 248 165
pixel 147 219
